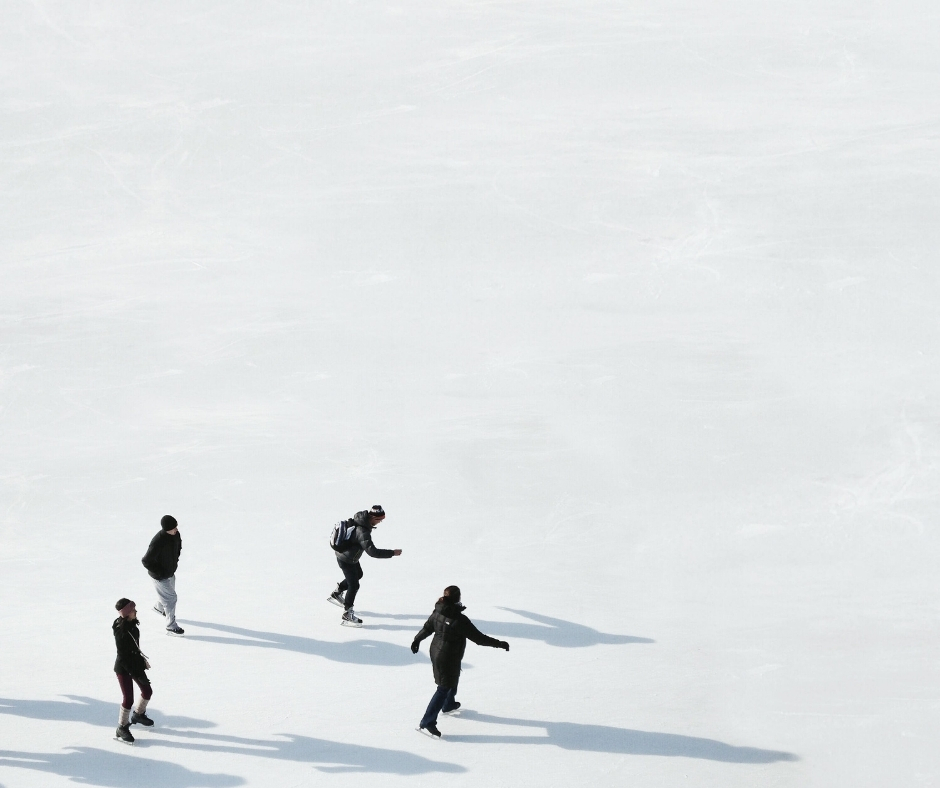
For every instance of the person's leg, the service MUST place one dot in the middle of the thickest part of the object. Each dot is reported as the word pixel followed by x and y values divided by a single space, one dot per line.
pixel 127 699
pixel 146 692
pixel 353 574
pixel 434 707
pixel 166 590
pixel 450 702
pixel 344 583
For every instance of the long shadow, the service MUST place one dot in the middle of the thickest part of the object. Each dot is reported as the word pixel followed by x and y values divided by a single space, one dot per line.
pixel 619 741
pixel 100 767
pixel 91 710
pixel 325 755
pixel 553 631
pixel 357 652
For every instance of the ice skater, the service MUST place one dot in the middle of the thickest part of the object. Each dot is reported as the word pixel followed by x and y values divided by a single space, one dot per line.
pixel 161 561
pixel 350 539
pixel 130 667
pixel 451 630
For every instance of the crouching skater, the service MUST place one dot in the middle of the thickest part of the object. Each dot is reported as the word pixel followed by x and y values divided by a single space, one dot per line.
pixel 451 630
pixel 130 667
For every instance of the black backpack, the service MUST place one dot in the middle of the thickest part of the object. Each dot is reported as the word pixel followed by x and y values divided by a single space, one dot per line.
pixel 342 534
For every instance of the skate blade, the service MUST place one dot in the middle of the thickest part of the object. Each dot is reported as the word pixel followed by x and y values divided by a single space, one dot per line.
pixel 425 732
pixel 350 624
pixel 335 602
pixel 451 713
pixel 128 743
pixel 175 634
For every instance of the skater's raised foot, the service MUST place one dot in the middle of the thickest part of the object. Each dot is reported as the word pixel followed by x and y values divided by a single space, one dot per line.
pixel 455 709
pixel 429 730
pixel 337 598
pixel 140 718
pixel 176 629
pixel 160 610
pixel 350 620
pixel 123 733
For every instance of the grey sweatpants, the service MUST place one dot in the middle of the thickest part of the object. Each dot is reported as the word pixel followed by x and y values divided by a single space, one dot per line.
pixel 166 590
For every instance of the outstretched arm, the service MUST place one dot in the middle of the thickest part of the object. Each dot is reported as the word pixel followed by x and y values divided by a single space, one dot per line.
pixel 365 541
pixel 472 633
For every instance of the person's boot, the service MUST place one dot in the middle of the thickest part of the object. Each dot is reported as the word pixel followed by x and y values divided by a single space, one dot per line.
pixel 430 730
pixel 337 597
pixel 139 717
pixel 453 709
pixel 350 620
pixel 159 609
pixel 176 629
pixel 123 731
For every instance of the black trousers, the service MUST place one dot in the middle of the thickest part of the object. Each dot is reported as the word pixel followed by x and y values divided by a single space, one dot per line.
pixel 352 574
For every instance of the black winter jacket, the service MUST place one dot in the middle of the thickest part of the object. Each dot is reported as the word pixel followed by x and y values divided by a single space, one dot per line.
pixel 361 542
pixel 163 555
pixel 127 639
pixel 451 630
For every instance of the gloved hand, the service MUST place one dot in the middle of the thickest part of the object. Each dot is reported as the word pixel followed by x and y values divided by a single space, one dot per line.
pixel 414 647
pixel 504 645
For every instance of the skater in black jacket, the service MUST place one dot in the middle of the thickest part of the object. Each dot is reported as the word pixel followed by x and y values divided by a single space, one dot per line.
pixel 129 667
pixel 451 630
pixel 358 532
pixel 160 561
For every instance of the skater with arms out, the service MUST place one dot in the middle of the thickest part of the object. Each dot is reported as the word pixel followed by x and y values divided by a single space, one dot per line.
pixel 349 540
pixel 451 630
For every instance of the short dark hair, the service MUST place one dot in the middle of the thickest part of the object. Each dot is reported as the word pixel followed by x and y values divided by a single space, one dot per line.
pixel 121 603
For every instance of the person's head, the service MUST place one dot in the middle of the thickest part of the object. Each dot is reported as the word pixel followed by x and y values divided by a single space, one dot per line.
pixel 451 596
pixel 168 523
pixel 376 515
pixel 126 607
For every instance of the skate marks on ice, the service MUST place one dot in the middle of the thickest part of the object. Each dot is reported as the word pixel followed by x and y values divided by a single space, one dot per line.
pixel 356 652
pixel 79 708
pixel 91 766
pixel 618 741
pixel 552 631
pixel 324 755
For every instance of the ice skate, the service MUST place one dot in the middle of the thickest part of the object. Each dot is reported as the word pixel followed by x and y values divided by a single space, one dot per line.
pixel 350 620
pixel 337 597
pixel 452 711
pixel 159 610
pixel 176 630
pixel 429 730
pixel 140 718
pixel 123 734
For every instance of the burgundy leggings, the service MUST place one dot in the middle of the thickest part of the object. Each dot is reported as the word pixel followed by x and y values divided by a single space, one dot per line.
pixel 127 687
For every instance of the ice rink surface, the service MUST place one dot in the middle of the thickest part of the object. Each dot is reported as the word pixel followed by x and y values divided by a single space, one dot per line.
pixel 627 312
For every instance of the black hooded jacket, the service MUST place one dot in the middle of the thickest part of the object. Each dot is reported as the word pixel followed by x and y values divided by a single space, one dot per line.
pixel 127 639
pixel 361 542
pixel 163 556
pixel 451 630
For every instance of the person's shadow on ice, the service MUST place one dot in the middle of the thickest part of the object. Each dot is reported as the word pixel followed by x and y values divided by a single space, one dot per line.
pixel 618 741
pixel 357 652
pixel 552 631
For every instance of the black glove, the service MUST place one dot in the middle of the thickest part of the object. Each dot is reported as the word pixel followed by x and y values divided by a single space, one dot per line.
pixel 503 645
pixel 414 647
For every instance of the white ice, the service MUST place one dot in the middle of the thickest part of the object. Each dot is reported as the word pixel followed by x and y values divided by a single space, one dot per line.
pixel 625 311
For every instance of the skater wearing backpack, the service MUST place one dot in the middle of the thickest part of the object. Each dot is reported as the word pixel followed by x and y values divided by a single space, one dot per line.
pixel 129 667
pixel 451 630
pixel 161 561
pixel 349 540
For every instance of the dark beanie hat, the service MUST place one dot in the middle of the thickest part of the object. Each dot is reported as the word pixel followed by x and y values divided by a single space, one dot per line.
pixel 377 511
pixel 168 522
